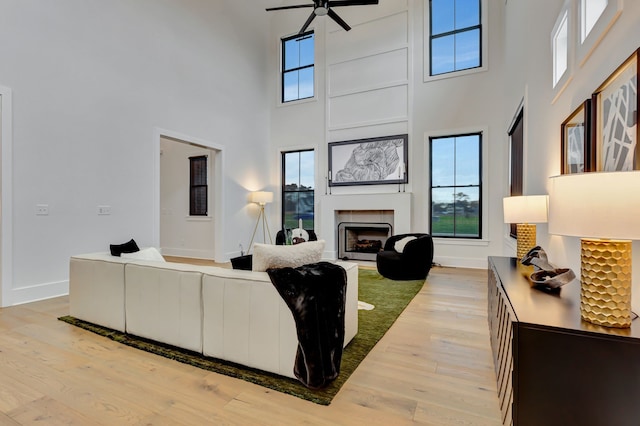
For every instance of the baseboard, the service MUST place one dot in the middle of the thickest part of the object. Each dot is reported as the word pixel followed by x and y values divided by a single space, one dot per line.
pixel 461 262
pixel 190 253
pixel 37 292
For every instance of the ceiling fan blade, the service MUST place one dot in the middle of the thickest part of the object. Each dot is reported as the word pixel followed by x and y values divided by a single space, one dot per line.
pixel 306 24
pixel 352 3
pixel 339 20
pixel 297 6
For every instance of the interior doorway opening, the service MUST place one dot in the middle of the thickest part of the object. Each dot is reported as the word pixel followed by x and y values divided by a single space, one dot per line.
pixel 180 232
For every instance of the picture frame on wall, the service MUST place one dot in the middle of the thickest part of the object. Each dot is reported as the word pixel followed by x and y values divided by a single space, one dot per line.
pixel 575 136
pixel 615 112
pixel 372 161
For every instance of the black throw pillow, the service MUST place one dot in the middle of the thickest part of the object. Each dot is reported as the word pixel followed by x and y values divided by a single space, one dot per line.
pixel 128 247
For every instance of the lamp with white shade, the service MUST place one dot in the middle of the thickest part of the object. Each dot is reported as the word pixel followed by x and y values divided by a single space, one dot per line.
pixel 261 198
pixel 525 211
pixel 604 209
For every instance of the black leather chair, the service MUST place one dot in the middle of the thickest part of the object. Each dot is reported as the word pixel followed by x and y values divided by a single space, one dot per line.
pixel 414 263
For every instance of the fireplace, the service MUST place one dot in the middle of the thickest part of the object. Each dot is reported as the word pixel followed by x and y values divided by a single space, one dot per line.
pixel 362 240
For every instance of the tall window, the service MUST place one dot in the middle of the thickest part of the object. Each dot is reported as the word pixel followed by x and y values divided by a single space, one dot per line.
pixel 298 67
pixel 560 45
pixel 198 188
pixel 456 186
pixel 298 188
pixel 455 35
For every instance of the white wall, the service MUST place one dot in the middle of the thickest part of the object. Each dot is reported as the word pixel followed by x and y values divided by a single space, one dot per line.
pixel 91 80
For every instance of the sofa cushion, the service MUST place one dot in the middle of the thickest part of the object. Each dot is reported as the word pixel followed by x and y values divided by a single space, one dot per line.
pixel 267 256
pixel 149 253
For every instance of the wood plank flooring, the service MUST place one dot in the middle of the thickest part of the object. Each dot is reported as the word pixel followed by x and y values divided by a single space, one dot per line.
pixel 433 367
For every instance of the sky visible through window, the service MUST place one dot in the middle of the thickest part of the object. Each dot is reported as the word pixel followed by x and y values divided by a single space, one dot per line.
pixel 298 68
pixel 455 35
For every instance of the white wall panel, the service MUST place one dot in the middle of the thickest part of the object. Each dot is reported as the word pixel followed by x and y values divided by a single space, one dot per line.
pixel 376 36
pixel 368 72
pixel 369 107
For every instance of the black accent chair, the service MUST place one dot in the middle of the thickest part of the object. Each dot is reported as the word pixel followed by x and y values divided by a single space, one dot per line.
pixel 414 263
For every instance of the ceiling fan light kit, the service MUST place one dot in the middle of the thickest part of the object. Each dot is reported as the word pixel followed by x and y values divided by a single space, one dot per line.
pixel 324 7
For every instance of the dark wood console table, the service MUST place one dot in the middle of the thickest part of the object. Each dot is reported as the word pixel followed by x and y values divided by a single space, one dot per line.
pixel 552 367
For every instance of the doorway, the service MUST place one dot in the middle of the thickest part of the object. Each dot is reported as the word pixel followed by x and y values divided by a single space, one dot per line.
pixel 180 232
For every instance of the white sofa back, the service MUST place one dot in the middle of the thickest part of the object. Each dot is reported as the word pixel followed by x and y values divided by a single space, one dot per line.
pixel 229 314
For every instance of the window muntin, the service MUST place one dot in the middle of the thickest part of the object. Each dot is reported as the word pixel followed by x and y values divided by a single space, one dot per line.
pixel 298 188
pixel 456 201
pixel 198 188
pixel 298 67
pixel 455 35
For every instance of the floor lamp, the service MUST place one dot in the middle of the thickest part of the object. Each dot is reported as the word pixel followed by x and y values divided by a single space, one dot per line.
pixel 261 198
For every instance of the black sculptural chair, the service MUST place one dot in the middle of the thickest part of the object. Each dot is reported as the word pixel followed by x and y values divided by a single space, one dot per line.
pixel 414 263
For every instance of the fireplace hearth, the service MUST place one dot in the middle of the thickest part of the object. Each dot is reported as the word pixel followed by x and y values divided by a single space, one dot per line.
pixel 361 240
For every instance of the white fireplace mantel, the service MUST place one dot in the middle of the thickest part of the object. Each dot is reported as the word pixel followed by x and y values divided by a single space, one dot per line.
pixel 398 202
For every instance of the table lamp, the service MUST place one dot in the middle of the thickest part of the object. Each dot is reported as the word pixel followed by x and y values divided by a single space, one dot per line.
pixel 604 209
pixel 525 211
pixel 261 198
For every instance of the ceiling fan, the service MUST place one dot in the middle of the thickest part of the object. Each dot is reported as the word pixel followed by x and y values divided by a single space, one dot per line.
pixel 324 7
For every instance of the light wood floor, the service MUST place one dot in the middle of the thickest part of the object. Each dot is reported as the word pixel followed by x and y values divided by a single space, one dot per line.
pixel 433 367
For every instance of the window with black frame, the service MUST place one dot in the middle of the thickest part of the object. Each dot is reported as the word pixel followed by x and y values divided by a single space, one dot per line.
pixel 198 188
pixel 456 186
pixel 298 189
pixel 455 35
pixel 298 59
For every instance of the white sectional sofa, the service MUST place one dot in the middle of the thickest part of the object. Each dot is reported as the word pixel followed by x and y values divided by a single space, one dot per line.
pixel 233 315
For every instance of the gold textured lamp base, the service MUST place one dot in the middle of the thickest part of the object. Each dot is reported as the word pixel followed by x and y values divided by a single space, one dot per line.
pixel 526 238
pixel 605 275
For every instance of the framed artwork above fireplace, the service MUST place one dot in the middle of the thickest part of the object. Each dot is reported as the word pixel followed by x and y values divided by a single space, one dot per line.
pixel 373 161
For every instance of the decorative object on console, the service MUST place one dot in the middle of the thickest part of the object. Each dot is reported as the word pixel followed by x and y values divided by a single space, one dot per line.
pixel 261 198
pixel 615 105
pixel 413 263
pixel 546 275
pixel 316 295
pixel 575 134
pixel 602 208
pixel 525 211
pixel 370 161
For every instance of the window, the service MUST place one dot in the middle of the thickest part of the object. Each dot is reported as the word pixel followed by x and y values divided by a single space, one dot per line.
pixel 455 35
pixel 456 193
pixel 560 46
pixel 298 67
pixel 198 188
pixel 298 169
pixel 590 12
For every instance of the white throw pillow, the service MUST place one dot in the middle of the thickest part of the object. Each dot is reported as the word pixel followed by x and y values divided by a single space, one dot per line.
pixel 399 245
pixel 267 256
pixel 149 253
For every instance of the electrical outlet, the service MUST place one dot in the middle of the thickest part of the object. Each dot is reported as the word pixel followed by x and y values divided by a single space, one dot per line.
pixel 42 209
pixel 104 210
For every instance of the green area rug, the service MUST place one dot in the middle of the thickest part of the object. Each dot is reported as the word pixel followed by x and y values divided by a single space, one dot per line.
pixel 389 298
